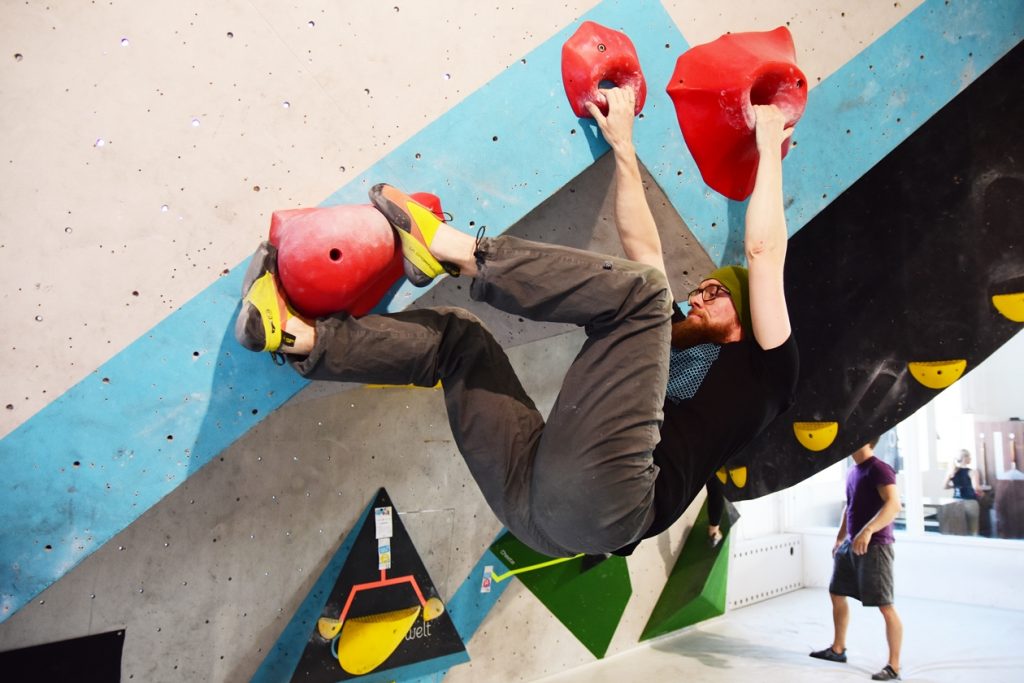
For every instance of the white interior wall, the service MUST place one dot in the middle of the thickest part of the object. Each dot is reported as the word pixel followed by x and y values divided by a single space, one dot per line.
pixel 993 389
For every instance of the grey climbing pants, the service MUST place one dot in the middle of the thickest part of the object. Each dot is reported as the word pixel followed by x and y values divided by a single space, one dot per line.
pixel 581 481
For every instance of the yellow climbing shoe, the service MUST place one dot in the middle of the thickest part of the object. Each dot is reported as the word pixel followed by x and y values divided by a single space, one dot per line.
pixel 416 226
pixel 265 311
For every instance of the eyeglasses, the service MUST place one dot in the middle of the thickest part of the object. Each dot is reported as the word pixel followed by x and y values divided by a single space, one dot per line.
pixel 709 292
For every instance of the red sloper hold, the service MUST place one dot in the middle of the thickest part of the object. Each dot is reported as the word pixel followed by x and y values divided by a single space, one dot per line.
pixel 338 258
pixel 713 88
pixel 596 54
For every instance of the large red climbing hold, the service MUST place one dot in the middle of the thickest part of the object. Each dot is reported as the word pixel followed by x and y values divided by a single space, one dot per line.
pixel 599 57
pixel 713 89
pixel 338 258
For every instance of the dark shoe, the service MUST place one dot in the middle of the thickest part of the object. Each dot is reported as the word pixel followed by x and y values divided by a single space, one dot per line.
pixel 830 655
pixel 260 323
pixel 415 225
pixel 887 674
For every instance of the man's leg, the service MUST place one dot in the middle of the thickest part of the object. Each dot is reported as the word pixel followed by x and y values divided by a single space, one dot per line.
pixel 836 652
pixel 594 474
pixel 874 579
pixel 494 422
pixel 593 477
pixel 840 622
pixel 843 583
pixel 893 634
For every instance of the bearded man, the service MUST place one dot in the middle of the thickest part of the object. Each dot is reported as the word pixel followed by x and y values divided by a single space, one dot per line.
pixel 592 478
pixel 733 361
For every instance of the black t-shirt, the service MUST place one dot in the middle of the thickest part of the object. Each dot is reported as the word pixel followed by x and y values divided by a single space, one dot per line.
pixel 963 487
pixel 744 390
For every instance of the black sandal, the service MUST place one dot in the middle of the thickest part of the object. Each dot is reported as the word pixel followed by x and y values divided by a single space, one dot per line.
pixel 887 674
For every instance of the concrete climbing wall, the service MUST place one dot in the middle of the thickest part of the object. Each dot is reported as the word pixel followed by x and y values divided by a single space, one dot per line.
pixel 159 479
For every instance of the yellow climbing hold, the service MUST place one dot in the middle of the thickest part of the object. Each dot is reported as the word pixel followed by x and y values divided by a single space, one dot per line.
pixel 722 476
pixel 433 609
pixel 738 476
pixel 937 374
pixel 327 627
pixel 1010 305
pixel 367 641
pixel 815 436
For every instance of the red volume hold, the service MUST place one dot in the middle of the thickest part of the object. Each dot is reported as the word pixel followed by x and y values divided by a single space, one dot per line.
pixel 597 56
pixel 713 89
pixel 338 258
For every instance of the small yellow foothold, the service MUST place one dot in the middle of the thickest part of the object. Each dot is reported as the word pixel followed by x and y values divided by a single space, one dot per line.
pixel 433 609
pixel 738 476
pixel 327 627
pixel 815 436
pixel 721 475
pixel 1010 305
pixel 937 374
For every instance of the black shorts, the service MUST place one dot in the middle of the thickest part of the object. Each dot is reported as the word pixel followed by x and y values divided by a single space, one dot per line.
pixel 866 577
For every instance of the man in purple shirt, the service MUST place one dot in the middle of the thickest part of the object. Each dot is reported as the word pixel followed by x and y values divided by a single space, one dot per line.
pixel 864 556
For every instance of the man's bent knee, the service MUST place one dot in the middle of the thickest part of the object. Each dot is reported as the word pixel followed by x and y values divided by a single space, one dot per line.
pixel 582 520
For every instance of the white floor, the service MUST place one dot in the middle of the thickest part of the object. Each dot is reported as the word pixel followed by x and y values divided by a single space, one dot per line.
pixel 770 641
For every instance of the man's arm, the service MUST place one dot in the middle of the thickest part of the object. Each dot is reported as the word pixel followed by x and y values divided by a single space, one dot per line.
pixel 883 518
pixel 766 235
pixel 841 536
pixel 633 219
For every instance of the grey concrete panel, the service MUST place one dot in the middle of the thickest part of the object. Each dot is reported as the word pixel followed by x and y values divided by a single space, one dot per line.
pixel 204 582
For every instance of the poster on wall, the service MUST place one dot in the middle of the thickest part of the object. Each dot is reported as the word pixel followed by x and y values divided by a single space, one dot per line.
pixel 384 618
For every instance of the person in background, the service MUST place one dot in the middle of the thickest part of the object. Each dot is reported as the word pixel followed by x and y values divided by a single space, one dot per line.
pixel 863 556
pixel 963 479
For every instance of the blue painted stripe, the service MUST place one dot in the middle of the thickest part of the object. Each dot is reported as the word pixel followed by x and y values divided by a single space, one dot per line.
pixel 118 431
pixel 469 605
pixel 429 670
pixel 515 141
pixel 91 462
pixel 283 658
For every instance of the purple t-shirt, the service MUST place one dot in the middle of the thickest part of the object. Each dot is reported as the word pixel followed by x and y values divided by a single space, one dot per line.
pixel 862 499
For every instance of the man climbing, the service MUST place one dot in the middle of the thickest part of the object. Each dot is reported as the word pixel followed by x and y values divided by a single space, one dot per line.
pixel 585 479
pixel 733 362
pixel 863 556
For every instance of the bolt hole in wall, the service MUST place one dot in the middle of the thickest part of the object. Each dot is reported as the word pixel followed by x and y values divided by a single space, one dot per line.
pixel 980 414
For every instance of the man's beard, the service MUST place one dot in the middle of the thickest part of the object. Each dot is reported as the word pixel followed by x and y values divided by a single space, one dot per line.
pixel 694 331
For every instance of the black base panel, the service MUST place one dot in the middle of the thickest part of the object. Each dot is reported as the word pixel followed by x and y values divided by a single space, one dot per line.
pixel 90 659
pixel 902 267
